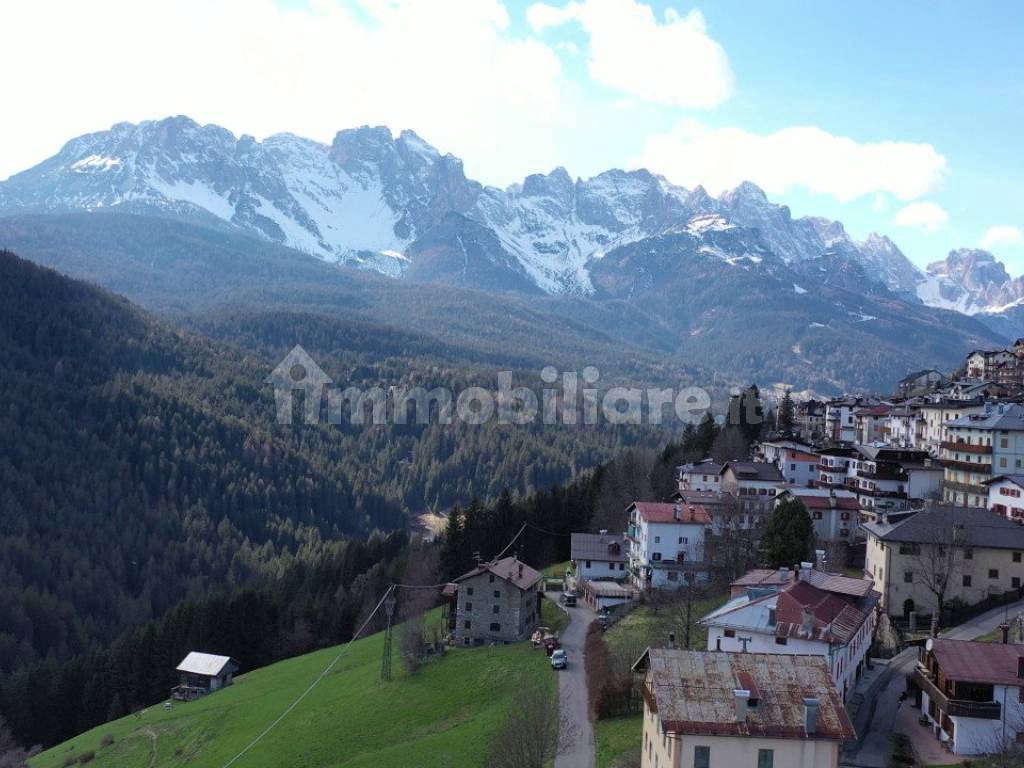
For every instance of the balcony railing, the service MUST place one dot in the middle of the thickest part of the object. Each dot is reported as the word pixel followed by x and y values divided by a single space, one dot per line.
pixel 985 710
pixel 956 445
pixel 953 485
pixel 967 466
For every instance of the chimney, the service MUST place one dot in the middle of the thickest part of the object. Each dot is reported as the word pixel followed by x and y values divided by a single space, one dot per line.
pixel 805 571
pixel 520 570
pixel 811 707
pixel 784 575
pixel 677 511
pixel 807 622
pixel 819 559
pixel 742 703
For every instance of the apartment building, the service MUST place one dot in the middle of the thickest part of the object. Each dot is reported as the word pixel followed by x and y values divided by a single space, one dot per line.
pixel 667 544
pixel 978 446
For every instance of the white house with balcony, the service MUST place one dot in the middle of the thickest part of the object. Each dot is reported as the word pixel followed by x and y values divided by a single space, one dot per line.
pixel 816 613
pixel 667 544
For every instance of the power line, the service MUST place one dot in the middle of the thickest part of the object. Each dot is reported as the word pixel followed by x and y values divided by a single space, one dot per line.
pixel 312 685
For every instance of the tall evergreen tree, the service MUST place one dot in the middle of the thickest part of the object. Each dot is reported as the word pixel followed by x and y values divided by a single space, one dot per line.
pixel 788 538
pixel 786 415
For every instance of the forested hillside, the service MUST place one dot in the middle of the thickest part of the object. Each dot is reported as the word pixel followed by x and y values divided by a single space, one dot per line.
pixel 140 465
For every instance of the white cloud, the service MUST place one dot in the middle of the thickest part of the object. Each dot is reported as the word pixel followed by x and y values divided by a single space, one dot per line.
pixel 461 78
pixel 674 62
pixel 803 156
pixel 1002 236
pixel 925 215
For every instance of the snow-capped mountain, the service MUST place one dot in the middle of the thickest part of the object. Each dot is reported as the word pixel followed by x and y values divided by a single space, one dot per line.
pixel 970 281
pixel 398 206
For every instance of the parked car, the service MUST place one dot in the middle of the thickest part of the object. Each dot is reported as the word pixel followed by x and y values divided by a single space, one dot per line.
pixel 559 659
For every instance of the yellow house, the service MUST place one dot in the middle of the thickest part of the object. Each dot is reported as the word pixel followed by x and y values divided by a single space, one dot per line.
pixel 940 554
pixel 711 709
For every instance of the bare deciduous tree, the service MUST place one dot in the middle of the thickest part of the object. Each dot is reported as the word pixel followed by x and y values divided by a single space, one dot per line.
pixel 939 560
pixel 12 755
pixel 730 445
pixel 529 737
pixel 625 481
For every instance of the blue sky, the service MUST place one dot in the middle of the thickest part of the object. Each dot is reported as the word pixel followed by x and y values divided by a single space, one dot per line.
pixel 902 118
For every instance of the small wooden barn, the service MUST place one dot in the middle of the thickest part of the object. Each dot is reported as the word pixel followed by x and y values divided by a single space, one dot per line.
pixel 203 673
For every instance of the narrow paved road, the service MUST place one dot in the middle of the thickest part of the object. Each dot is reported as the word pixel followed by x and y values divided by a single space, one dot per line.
pixel 875 727
pixel 576 742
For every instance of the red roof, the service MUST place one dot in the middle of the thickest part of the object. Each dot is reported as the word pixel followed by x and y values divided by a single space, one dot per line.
pixel 874 410
pixel 974 662
pixel 658 512
pixel 814 501
pixel 834 618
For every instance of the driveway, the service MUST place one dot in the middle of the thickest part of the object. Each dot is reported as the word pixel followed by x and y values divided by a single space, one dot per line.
pixel 576 741
pixel 877 718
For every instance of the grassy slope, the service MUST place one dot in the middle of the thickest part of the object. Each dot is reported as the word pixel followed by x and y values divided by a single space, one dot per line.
pixel 446 715
pixel 650 626
pixel 618 739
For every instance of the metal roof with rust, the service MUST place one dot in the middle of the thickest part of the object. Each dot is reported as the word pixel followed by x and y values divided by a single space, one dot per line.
pixel 694 692
pixel 975 662
pixel 605 547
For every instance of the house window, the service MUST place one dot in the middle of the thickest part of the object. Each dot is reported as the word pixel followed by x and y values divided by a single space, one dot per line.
pixel 656 556
pixel 765 758
pixel 730 633
pixel 467 624
pixel 993 573
pixel 611 566
pixel 967 580
pixel 497 594
pixel 1016 557
pixel 495 627
pixel 491 579
pixel 468 607
pixel 968 554
pixel 817 514
pixel 908 577
pixel 1015 582
pixel 673 576
pixel 496 609
pixel 702 757
pixel 620 566
pixel 588 563
pixel 781 640
pixel 657 539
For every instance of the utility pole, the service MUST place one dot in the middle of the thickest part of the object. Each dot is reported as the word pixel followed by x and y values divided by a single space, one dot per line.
pixel 389 611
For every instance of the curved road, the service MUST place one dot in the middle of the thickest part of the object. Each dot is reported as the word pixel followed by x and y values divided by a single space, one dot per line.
pixel 576 740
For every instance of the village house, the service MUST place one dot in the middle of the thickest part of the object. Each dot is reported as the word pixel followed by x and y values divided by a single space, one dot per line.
pixel 982 364
pixel 975 552
pixel 805 611
pixel 699 476
pixel 754 485
pixel 834 512
pixel 937 414
pixel 599 555
pixel 978 445
pixel 834 466
pixel 972 694
pixel 704 709
pixel 1004 496
pixel 809 419
pixel 667 544
pixel 203 673
pixel 872 424
pixel 887 478
pixel 905 426
pixel 797 462
pixel 722 508
pixel 920 382
pixel 840 423
pixel 497 602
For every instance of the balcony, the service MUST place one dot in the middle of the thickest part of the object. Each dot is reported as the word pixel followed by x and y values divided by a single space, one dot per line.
pixel 950 445
pixel 967 466
pixel 953 485
pixel 983 710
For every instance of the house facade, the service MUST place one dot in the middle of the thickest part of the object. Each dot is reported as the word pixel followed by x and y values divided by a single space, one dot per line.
pixel 754 485
pixel 699 476
pixel 813 613
pixel 1006 496
pixel 978 446
pixel 797 462
pixel 497 602
pixel 872 424
pixel 598 556
pixel 975 552
pixel 667 544
pixel 972 694
pixel 203 673
pixel 936 415
pixel 835 513
pixel 710 710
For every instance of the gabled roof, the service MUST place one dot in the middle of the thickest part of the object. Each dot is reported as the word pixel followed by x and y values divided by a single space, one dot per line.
pixel 659 512
pixel 754 470
pixel 873 410
pixel 1017 480
pixel 823 498
pixel 966 526
pixel 206 664
pixel 829 582
pixel 1008 416
pixel 974 662
pixel 508 569
pixel 599 546
pixel 693 693
pixel 705 467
